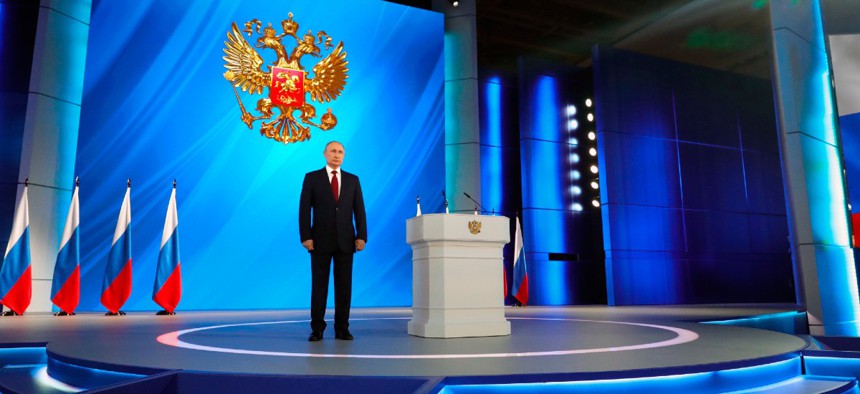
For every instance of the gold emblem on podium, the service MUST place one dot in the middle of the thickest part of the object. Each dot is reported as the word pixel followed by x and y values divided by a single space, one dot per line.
pixel 286 79
pixel 475 227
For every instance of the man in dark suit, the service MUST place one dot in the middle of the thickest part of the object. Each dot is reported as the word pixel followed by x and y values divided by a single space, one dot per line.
pixel 332 226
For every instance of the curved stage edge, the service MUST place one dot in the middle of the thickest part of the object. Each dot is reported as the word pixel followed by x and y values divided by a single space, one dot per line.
pixel 259 350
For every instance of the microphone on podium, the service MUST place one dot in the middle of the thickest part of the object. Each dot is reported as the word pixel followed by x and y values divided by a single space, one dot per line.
pixel 446 201
pixel 477 204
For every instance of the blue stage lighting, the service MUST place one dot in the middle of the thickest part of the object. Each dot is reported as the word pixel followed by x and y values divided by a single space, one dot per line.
pixel 493 97
pixel 574 158
pixel 575 190
pixel 727 380
pixel 572 124
pixel 546 109
pixel 570 110
pixel 492 175
pixel 575 175
pixel 576 207
pixel 573 141
pixel 41 376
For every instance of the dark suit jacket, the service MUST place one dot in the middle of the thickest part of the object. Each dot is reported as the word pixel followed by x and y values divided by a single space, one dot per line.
pixel 331 225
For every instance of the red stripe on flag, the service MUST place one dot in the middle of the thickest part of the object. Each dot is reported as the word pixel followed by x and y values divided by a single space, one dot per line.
pixel 120 289
pixel 70 294
pixel 855 223
pixel 523 292
pixel 170 293
pixel 505 279
pixel 18 297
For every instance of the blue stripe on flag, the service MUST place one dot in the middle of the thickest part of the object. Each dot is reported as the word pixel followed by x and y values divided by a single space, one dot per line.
pixel 67 259
pixel 168 260
pixel 120 254
pixel 519 271
pixel 15 263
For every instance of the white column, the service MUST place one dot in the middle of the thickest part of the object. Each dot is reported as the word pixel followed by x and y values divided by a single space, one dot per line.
pixel 51 132
pixel 462 128
pixel 811 154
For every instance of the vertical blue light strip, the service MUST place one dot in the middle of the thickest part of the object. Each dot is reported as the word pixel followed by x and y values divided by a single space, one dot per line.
pixel 2 22
pixel 491 174
pixel 550 182
pixel 547 109
pixel 554 287
pixel 547 191
pixel 494 112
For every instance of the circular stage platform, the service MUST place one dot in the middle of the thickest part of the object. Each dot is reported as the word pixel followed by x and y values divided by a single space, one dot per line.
pixel 566 342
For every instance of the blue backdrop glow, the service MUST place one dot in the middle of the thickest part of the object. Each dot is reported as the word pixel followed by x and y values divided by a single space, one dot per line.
pixel 156 107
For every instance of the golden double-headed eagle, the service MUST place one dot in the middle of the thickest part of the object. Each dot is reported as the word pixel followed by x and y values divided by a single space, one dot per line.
pixel 286 79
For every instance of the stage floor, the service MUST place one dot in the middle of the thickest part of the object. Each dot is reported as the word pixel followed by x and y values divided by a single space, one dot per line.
pixel 560 341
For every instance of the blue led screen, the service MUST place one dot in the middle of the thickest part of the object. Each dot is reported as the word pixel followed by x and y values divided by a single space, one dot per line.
pixel 691 184
pixel 157 108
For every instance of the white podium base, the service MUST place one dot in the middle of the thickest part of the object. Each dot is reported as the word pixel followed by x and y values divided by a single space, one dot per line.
pixel 457 275
pixel 440 323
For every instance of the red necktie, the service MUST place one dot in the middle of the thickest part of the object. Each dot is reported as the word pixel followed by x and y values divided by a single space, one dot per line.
pixel 334 184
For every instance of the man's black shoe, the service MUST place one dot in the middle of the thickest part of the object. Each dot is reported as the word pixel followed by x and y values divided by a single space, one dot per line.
pixel 345 335
pixel 315 337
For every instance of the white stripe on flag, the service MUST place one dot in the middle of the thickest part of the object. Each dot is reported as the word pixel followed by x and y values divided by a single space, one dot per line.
pixel 20 223
pixel 124 217
pixel 73 220
pixel 171 221
pixel 518 242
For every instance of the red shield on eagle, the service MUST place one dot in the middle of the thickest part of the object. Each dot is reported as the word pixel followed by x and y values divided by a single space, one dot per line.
pixel 288 87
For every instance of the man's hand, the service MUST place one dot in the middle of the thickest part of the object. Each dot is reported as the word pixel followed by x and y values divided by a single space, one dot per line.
pixel 359 245
pixel 309 245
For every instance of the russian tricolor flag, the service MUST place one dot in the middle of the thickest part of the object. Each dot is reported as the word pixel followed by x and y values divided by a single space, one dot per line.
pixel 16 287
pixel 168 281
pixel 66 287
pixel 520 289
pixel 116 287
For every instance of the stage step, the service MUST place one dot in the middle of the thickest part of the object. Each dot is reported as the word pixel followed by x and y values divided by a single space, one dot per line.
pixel 796 385
pixel 807 385
pixel 24 370
pixel 31 379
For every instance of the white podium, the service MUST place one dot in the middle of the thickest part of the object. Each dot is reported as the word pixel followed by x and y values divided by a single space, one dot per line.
pixel 457 268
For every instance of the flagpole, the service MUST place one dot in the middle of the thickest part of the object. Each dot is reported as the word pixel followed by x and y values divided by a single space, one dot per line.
pixel 12 260
pixel 167 291
pixel 64 313
pixel 127 234
pixel 58 263
pixel 165 312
